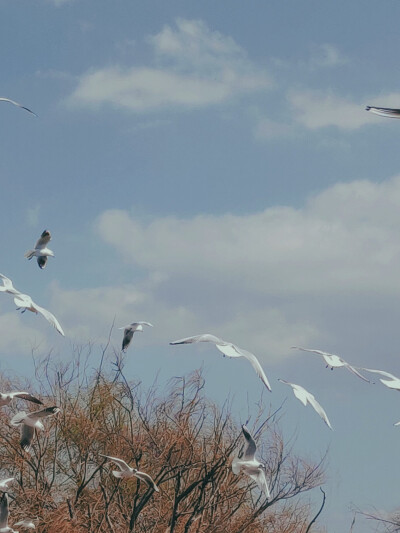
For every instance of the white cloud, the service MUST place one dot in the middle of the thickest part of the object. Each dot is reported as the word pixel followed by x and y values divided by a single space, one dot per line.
pixel 196 67
pixel 327 56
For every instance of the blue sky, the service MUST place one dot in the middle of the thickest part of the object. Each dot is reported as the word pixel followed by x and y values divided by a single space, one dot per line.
pixel 210 167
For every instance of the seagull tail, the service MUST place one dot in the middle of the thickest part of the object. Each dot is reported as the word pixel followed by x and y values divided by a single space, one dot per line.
pixel 30 254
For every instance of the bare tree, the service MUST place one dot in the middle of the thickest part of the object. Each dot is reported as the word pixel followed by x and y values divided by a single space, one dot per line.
pixel 183 440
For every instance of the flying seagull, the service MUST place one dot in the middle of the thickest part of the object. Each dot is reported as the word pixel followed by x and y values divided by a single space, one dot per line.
pixel 384 111
pixel 129 330
pixel 126 472
pixel 7 397
pixel 4 484
pixel 29 422
pixel 17 104
pixel 25 302
pixel 247 463
pixel 230 350
pixel 333 361
pixel 41 252
pixel 8 286
pixel 306 397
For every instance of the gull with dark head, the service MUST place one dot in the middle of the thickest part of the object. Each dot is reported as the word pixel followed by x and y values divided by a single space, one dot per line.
pixel 230 350
pixel 306 397
pixel 41 252
pixel 129 330
pixel 13 102
pixel 384 111
pixel 126 472
pixel 25 302
pixel 29 422
pixel 247 463
pixel 333 361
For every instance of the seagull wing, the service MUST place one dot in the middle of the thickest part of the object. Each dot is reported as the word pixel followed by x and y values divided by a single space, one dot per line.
pixel 17 104
pixel 148 479
pixel 25 396
pixel 42 261
pixel 128 335
pixel 4 511
pixel 206 337
pixel 253 360
pixel 43 240
pixel 27 434
pixel 298 391
pixel 49 317
pixel 355 371
pixel 384 111
pixel 318 352
pixel 261 481
pixel 48 411
pixel 8 284
pixel 251 447
pixel 313 402
pixel 119 462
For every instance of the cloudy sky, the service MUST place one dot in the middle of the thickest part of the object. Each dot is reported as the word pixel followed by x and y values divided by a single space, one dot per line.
pixel 210 167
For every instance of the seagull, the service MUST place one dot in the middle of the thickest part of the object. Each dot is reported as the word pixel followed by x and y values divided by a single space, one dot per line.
pixel 229 350
pixel 26 523
pixel 7 397
pixel 41 251
pixel 126 472
pixel 4 484
pixel 4 527
pixel 333 361
pixel 384 111
pixel 249 464
pixel 8 286
pixel 129 330
pixel 306 397
pixel 25 302
pixel 29 422
pixel 18 105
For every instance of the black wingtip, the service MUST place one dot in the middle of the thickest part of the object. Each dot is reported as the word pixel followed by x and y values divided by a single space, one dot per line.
pixel 367 108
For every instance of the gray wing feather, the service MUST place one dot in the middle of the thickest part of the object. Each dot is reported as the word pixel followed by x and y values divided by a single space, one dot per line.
pixel 27 434
pixel 251 445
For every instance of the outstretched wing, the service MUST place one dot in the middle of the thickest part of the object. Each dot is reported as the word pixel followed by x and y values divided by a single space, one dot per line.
pixel 4 511
pixel 355 371
pixel 50 318
pixel 119 462
pixel 27 434
pixel 206 337
pixel 384 111
pixel 261 481
pixel 49 411
pixel 251 446
pixel 42 261
pixel 313 402
pixel 43 240
pixel 257 367
pixel 148 479
pixel 17 104
pixel 25 396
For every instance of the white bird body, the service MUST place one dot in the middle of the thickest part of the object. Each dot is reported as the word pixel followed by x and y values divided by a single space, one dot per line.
pixel 25 302
pixel 307 398
pixel 333 361
pixel 2 99
pixel 29 422
pixel 230 350
pixel 384 111
pixel 248 463
pixel 41 251
pixel 7 397
pixel 127 472
pixel 129 330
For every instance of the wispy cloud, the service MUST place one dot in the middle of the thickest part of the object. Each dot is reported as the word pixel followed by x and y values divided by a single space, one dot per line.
pixel 194 67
